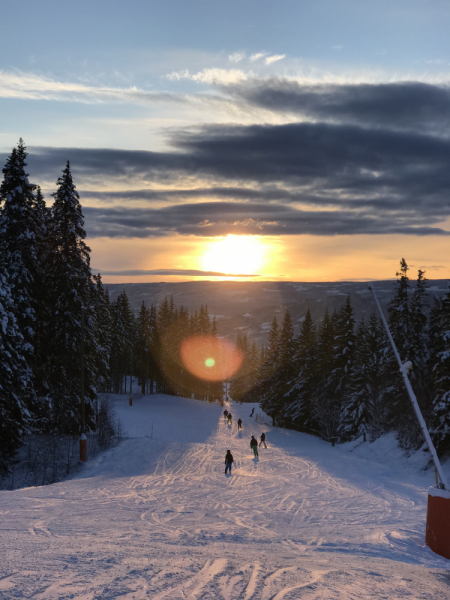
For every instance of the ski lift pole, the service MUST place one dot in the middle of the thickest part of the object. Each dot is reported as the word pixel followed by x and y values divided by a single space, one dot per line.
pixel 443 481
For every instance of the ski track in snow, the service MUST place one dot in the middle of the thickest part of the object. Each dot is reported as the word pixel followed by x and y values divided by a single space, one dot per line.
pixel 157 518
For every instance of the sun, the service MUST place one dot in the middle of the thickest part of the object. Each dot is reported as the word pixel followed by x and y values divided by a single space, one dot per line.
pixel 235 254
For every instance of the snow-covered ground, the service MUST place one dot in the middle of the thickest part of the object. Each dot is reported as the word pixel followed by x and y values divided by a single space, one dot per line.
pixel 157 518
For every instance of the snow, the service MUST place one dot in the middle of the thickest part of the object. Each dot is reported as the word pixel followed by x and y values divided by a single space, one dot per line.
pixel 436 493
pixel 247 314
pixel 156 517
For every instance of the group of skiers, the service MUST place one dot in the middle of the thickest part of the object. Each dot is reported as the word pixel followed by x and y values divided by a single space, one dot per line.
pixel 229 460
pixel 229 418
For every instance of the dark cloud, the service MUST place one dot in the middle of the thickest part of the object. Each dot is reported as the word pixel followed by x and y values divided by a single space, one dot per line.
pixel 185 272
pixel 402 105
pixel 222 218
pixel 363 158
pixel 319 163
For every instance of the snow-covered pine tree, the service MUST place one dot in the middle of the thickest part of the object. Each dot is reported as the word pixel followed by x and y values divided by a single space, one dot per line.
pixel 103 333
pixel 344 349
pixel 70 286
pixel 419 351
pixel 357 406
pixel 141 359
pixel 13 375
pixel 165 318
pixel 403 419
pixel 325 411
pixel 279 382
pixel 379 417
pixel 270 364
pixel 42 307
pixel 239 385
pixel 441 406
pixel 19 255
pixel 254 356
pixel 399 313
pixel 122 337
pixel 300 398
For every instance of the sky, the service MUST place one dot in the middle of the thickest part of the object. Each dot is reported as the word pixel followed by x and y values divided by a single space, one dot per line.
pixel 282 140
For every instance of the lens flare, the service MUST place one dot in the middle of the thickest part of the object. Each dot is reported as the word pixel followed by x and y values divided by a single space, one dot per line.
pixel 210 358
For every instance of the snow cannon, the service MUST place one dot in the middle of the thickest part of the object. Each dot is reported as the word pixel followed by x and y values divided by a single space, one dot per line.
pixel 83 451
pixel 130 400
pixel 437 536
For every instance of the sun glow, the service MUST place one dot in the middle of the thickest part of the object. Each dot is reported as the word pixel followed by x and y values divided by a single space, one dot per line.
pixel 235 254
pixel 210 358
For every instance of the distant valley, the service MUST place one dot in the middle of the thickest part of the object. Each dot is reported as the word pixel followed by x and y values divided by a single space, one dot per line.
pixel 249 307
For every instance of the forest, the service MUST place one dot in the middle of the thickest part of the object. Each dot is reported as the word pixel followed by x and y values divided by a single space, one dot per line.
pixel 337 379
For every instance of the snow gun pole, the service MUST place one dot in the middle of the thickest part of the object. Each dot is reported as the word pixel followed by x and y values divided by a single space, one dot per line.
pixel 443 481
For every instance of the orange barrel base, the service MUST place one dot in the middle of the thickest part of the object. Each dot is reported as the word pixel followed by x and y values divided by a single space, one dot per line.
pixel 130 401
pixel 83 452
pixel 437 536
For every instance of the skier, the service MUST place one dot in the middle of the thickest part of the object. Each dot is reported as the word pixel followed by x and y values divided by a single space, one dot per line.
pixel 225 414
pixel 263 440
pixel 253 410
pixel 254 446
pixel 229 460
pixel 229 418
pixel 239 424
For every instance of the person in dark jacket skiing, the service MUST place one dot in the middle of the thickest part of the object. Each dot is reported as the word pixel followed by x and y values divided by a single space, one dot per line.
pixel 228 461
pixel 254 446
pixel 225 414
pixel 253 410
pixel 229 418
pixel 239 424
pixel 263 440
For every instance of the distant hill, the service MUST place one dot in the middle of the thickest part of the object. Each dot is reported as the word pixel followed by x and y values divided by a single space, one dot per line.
pixel 251 306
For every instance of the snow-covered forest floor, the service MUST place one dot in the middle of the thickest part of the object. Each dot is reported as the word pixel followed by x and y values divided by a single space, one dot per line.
pixel 155 517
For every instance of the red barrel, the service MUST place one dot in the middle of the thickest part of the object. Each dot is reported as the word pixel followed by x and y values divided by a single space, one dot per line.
pixel 83 450
pixel 437 535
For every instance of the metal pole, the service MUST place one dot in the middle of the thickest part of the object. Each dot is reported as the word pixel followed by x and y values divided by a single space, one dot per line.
pixel 83 457
pixel 443 485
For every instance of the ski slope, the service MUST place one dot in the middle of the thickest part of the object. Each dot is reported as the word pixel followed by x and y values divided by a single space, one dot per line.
pixel 157 518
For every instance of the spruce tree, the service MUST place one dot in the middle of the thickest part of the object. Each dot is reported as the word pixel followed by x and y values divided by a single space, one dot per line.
pixel 71 289
pixel 300 399
pixel 344 349
pixel 103 333
pixel 403 419
pixel 441 405
pixel 419 354
pixel 399 313
pixel 280 370
pixel 19 255
pixel 43 313
pixel 121 341
pixel 13 376
pixel 377 338
pixel 357 404
pixel 325 407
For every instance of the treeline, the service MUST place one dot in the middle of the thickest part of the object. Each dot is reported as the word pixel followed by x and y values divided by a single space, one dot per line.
pixel 148 346
pixel 338 379
pixel 46 290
